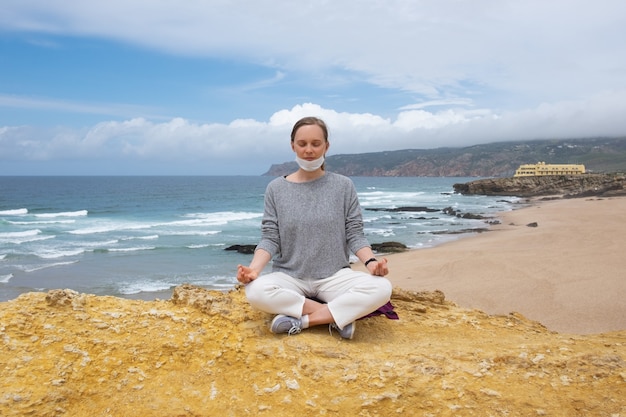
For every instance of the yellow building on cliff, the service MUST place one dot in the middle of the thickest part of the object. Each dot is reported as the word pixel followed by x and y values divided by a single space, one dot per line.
pixel 541 168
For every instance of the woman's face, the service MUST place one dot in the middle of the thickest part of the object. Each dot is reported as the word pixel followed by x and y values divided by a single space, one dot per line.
pixel 309 142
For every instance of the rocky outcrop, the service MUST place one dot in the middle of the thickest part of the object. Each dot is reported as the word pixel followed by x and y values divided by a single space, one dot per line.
pixel 603 185
pixel 206 353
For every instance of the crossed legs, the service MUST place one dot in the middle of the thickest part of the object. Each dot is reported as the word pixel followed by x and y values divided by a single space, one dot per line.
pixel 344 297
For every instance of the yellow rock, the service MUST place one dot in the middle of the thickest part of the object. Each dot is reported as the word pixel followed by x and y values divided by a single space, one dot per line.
pixel 206 353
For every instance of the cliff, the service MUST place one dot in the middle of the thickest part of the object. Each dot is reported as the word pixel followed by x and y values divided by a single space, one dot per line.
pixel 601 185
pixel 208 353
pixel 487 160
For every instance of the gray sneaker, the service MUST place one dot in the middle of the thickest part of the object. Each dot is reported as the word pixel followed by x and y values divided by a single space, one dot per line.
pixel 346 333
pixel 286 324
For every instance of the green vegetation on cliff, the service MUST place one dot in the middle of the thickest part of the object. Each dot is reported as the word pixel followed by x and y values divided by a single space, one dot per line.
pixel 488 160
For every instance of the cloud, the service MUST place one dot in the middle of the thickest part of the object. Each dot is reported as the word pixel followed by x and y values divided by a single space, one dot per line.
pixel 278 76
pixel 258 144
pixel 435 103
pixel 68 106
pixel 429 48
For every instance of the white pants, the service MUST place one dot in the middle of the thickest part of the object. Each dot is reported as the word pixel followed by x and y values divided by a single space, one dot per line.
pixel 349 294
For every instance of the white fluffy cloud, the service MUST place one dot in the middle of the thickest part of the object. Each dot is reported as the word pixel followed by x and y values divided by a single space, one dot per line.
pixel 250 146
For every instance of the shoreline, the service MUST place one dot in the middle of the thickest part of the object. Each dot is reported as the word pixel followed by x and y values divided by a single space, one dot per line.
pixel 565 273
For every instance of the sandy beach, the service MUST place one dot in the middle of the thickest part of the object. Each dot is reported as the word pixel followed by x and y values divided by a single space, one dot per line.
pixel 568 273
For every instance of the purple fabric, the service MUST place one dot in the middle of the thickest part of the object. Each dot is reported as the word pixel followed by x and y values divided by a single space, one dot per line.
pixel 387 310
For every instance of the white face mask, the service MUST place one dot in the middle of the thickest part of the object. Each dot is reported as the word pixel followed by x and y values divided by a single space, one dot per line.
pixel 310 165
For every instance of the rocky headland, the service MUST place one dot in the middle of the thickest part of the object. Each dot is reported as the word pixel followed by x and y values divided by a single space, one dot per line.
pixel 485 160
pixel 205 353
pixel 588 185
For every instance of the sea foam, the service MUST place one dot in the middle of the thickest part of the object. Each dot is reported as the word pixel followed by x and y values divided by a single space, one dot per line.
pixel 16 212
pixel 78 213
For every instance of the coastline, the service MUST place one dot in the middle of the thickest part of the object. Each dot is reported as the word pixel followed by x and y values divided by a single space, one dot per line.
pixel 566 273
pixel 69 353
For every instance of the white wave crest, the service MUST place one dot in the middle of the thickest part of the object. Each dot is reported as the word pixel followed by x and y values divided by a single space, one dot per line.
pixel 17 238
pixel 113 227
pixel 137 287
pixel 33 268
pixel 399 198
pixel 16 212
pixel 25 233
pixel 5 278
pixel 138 248
pixel 195 233
pixel 151 237
pixel 99 244
pixel 218 218
pixel 54 254
pixel 78 213
pixel 379 232
pixel 40 222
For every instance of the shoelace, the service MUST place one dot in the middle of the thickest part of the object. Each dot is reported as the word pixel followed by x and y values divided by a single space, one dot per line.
pixel 295 329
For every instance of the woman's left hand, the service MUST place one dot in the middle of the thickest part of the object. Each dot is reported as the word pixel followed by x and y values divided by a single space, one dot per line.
pixel 378 268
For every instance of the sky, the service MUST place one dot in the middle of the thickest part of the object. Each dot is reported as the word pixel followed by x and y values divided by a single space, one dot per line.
pixel 213 87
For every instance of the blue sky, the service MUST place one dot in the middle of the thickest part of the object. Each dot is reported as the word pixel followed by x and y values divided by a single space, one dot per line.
pixel 143 87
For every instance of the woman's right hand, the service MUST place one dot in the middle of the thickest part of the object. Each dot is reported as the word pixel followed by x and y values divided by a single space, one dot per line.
pixel 245 274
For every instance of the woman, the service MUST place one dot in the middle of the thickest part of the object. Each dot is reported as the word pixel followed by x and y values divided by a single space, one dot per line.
pixel 312 221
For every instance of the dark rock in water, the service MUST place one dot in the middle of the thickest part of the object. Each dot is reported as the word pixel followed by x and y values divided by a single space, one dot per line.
pixel 389 247
pixel 460 231
pixel 245 249
pixel 471 216
pixel 573 186
pixel 452 212
pixel 410 208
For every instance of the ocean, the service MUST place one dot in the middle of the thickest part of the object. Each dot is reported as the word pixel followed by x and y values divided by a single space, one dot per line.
pixel 139 237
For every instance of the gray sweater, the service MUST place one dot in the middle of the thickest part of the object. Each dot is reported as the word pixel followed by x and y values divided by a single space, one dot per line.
pixel 310 228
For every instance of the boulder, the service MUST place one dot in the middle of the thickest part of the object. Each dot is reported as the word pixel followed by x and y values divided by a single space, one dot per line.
pixel 245 249
pixel 389 247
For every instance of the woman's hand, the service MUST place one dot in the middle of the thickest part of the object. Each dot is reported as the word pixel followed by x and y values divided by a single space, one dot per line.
pixel 378 268
pixel 245 274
